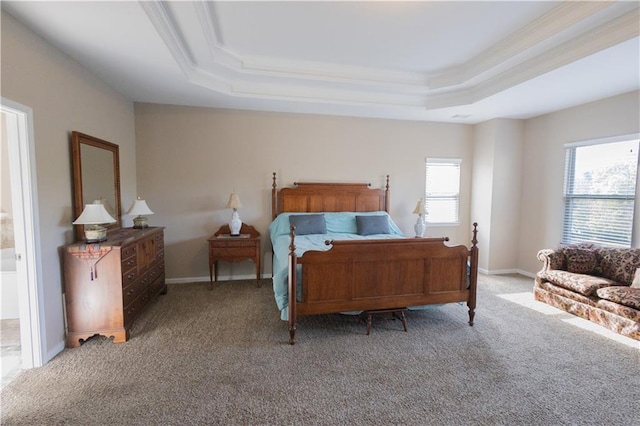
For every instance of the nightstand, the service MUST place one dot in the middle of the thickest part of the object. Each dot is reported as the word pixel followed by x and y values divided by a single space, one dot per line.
pixel 222 246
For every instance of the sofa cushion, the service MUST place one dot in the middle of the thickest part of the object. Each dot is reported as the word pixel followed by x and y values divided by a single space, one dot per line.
pixel 619 264
pixel 622 295
pixel 581 283
pixel 581 260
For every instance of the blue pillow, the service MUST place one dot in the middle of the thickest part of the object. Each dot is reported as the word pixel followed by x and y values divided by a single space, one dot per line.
pixel 369 225
pixel 308 224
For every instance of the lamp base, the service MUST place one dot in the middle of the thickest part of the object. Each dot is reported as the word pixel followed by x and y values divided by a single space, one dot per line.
pixel 420 227
pixel 95 234
pixel 140 222
pixel 236 224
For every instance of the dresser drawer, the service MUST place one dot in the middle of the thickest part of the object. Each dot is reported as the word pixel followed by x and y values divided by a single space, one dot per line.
pixel 128 251
pixel 128 264
pixel 134 308
pixel 229 252
pixel 159 241
pixel 130 293
pixel 155 272
pixel 156 285
pixel 129 277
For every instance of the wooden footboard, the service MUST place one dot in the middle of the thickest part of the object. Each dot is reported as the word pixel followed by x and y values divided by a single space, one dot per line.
pixel 359 275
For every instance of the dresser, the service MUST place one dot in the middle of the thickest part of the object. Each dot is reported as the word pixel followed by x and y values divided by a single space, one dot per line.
pixel 108 284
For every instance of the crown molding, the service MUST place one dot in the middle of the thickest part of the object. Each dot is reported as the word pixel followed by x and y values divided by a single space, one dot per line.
pixel 610 34
pixel 525 40
pixel 569 32
pixel 165 25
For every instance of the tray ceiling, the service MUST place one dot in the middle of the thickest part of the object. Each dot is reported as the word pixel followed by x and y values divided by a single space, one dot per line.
pixel 420 60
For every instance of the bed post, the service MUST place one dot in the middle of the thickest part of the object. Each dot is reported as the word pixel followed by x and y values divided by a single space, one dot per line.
pixel 473 279
pixel 386 196
pixel 274 198
pixel 292 281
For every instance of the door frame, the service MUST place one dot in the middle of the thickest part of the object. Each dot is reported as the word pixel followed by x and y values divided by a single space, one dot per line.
pixel 24 196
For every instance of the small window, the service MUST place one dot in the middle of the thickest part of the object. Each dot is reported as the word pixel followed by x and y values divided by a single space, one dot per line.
pixel 442 190
pixel 599 193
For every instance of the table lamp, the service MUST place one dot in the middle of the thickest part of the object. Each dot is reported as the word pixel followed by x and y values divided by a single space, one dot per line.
pixel 92 217
pixel 236 224
pixel 420 225
pixel 139 208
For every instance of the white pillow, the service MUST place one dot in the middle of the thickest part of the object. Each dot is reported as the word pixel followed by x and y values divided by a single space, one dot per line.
pixel 636 279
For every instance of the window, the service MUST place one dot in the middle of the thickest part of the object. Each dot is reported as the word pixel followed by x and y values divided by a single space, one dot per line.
pixel 599 192
pixel 442 190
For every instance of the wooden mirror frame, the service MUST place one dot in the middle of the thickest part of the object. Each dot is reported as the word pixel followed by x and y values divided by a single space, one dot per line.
pixel 77 141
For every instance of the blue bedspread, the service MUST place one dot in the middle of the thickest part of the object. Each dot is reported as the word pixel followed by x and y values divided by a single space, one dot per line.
pixel 340 226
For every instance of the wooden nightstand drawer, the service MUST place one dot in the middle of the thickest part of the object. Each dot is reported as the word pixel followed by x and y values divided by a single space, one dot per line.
pixel 229 252
pixel 231 242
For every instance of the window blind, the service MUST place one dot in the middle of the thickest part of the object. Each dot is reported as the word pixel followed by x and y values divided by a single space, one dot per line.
pixel 442 190
pixel 599 193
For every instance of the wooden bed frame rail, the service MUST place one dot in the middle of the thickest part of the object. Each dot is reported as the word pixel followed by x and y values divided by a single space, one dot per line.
pixel 361 275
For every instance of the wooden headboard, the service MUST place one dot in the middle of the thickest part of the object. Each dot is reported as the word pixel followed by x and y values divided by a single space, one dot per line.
pixel 309 197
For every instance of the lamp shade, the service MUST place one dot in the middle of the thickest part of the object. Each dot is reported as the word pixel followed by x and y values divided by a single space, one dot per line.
pixel 234 201
pixel 139 207
pixel 419 208
pixel 94 214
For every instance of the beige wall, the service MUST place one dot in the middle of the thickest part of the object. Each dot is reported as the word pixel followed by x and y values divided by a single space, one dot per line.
pixel 484 141
pixel 64 97
pixel 543 166
pixel 505 217
pixel 190 159
pixel 496 192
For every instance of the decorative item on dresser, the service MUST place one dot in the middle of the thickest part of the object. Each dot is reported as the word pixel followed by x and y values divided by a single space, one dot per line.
pixel 140 209
pixel 233 248
pixel 108 284
pixel 95 215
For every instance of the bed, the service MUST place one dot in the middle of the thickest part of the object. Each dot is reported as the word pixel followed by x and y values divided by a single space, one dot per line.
pixel 360 260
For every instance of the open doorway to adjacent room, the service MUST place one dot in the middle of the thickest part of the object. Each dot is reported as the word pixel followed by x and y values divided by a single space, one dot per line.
pixel 20 281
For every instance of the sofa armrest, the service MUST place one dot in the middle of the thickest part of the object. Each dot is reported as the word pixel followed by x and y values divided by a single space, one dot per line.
pixel 551 259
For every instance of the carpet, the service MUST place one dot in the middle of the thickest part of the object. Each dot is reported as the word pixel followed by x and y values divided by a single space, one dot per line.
pixel 221 357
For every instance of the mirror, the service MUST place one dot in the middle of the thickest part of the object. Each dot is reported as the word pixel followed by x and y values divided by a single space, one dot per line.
pixel 96 176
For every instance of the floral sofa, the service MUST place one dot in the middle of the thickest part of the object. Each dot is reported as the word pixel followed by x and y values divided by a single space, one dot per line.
pixel 596 283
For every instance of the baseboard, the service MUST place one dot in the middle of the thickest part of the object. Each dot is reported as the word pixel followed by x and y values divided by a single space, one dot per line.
pixel 53 352
pixel 506 271
pixel 526 273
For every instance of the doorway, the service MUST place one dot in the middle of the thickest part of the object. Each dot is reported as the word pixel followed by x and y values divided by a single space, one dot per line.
pixel 17 134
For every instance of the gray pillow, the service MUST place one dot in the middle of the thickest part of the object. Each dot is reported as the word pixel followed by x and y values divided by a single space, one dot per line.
pixel 308 224
pixel 368 225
